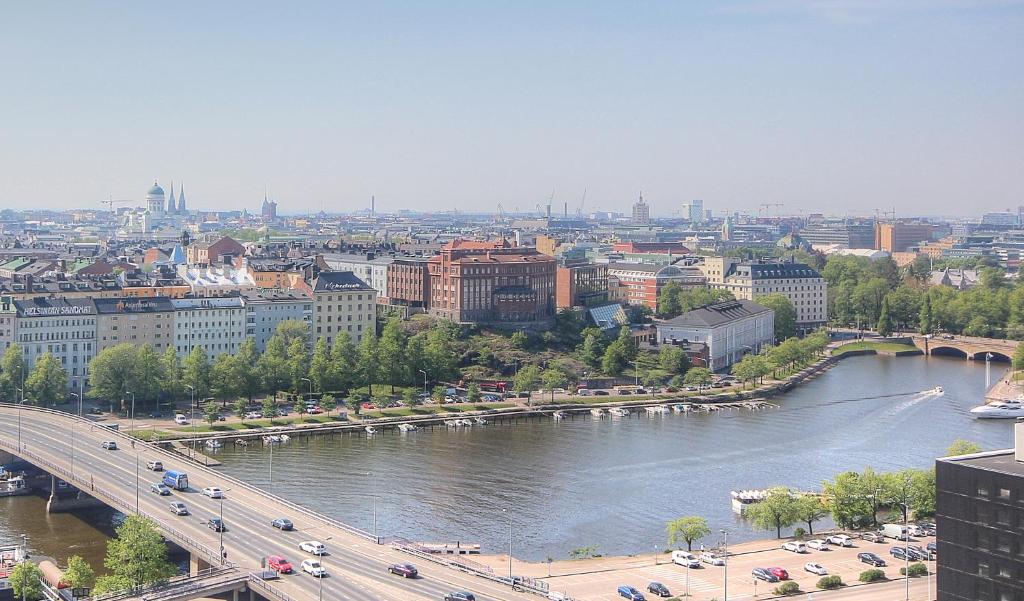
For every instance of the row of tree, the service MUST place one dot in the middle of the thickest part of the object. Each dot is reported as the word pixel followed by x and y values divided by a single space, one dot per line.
pixel 790 353
pixel 44 384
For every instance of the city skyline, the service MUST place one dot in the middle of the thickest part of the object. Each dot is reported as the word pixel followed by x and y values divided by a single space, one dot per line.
pixel 839 107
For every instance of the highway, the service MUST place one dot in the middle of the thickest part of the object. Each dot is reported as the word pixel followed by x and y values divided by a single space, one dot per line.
pixel 357 567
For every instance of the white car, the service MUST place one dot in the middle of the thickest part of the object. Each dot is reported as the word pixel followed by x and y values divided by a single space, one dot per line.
pixel 686 559
pixel 313 568
pixel 253 415
pixel 313 546
pixel 794 546
pixel 817 544
pixel 840 540
pixel 915 530
pixel 711 558
pixel 815 568
pixel 181 420
pixel 213 492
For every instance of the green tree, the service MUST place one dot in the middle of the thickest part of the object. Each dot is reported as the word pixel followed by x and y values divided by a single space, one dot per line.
pixel 615 359
pixel 884 327
pixel 391 353
pixel 210 412
pixel 291 330
pixel 785 314
pixel 527 380
pixel 554 378
pixel 320 366
pixel 195 371
pixel 697 376
pixel 24 579
pixel 690 529
pixel 965 447
pixel 48 381
pixel 112 372
pixel 240 408
pixel 343 363
pixel 298 364
pixel 520 340
pixel 12 372
pixel 848 501
pixel 593 348
pixel 148 373
pixel 356 405
pixel 79 573
pixel 628 343
pixel 272 366
pixel 299 407
pixel 439 351
pixel 171 386
pixel 776 511
pixel 369 361
pixel 246 360
pixel 809 509
pixel 136 557
pixel 228 376
pixel 328 404
pixel 673 360
pixel 668 300
pixel 473 392
pixel 438 394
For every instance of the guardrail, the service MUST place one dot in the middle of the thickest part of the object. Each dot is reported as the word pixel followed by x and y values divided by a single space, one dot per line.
pixel 170 583
pixel 257 582
pixel 520 583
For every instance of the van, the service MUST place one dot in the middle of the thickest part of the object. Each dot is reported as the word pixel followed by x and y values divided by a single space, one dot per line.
pixel 176 480
pixel 685 558
pixel 897 531
pixel 181 420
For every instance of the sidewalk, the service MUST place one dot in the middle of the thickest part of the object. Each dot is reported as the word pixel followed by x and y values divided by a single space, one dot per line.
pixel 1005 388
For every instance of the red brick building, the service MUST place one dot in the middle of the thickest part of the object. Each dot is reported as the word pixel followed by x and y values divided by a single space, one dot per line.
pixel 581 284
pixel 643 282
pixel 492 282
pixel 409 282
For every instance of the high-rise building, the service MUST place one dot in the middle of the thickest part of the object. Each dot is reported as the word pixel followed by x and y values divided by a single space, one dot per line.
pixel 898 237
pixel 694 211
pixel 641 212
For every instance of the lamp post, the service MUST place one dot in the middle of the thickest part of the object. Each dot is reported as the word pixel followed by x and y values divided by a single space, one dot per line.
pixel 424 380
pixel 725 565
pixel 310 388
pixel 79 397
pixel 133 412
pixel 373 495
pixel 509 515
pixel 222 525
pixel 320 595
pixel 192 416
pixel 20 403
pixel 636 372
pixel 906 545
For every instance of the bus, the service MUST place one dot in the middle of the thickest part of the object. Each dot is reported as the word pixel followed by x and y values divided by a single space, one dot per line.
pixel 176 480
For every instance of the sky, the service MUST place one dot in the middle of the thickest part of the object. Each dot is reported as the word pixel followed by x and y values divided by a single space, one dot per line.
pixel 835 106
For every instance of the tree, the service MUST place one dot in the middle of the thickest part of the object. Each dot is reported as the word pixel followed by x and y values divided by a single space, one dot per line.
pixel 520 340
pixel 246 360
pixel 343 363
pixel 391 353
pixel 615 359
pixel 12 372
pixel 785 314
pixel 438 394
pixel 690 529
pixel 777 510
pixel 269 408
pixel 79 573
pixel 884 327
pixel 170 368
pixel 272 365
pixel 298 364
pixel 697 376
pixel 439 351
pixel 299 407
pixel 673 360
pixel 965 447
pixel 240 409
pixel 228 376
pixel 368 366
pixel 593 348
pixel 554 378
pixel 291 330
pixel 328 404
pixel 527 380
pixel 628 343
pixel 354 404
pixel 848 501
pixel 210 412
pixel 48 381
pixel 809 509
pixel 112 371
pixel 473 392
pixel 668 300
pixel 320 366
pixel 148 373
pixel 137 556
pixel 24 579
pixel 195 371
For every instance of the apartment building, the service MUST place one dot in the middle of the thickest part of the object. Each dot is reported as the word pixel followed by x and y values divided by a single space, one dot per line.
pixel 66 328
pixel 800 283
pixel 343 303
pixel 729 329
pixel 265 309
pixel 368 267
pixel 217 325
pixel 643 282
pixel 898 237
pixel 135 321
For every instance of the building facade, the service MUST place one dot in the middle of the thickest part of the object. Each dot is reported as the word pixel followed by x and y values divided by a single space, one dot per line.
pixel 136 321
pixel 898 237
pixel 643 282
pixel 217 325
pixel 265 309
pixel 66 328
pixel 369 268
pixel 979 522
pixel 798 282
pixel 843 233
pixel 729 329
pixel 343 303
pixel 641 212
pixel 580 284
pixel 408 282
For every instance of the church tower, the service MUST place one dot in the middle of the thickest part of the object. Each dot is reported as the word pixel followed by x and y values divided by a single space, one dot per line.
pixel 155 202
pixel 181 201
pixel 171 203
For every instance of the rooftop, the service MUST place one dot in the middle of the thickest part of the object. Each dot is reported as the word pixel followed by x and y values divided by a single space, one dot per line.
pixel 717 314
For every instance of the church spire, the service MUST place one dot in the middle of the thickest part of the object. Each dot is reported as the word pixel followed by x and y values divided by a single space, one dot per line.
pixel 181 200
pixel 171 203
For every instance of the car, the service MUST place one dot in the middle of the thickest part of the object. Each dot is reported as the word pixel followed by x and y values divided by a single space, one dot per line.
pixel 313 546
pixel 624 392
pixel 109 445
pixel 659 589
pixel 95 411
pixel 874 537
pixel 915 530
pixel 459 596
pixel 686 559
pixel 630 593
pixel 898 552
pixel 779 573
pixel 600 393
pixel 405 570
pixel 213 492
pixel 253 415
pixel 222 418
pixel 794 546
pixel 315 411
pixel 156 466
pixel 216 524
pixel 712 558
pixel 276 562
pixel 313 568
pixel 160 488
pixel 815 568
pixel 181 420
pixel 871 559
pixel 932 548
pixel 690 389
pixel 281 413
pixel 156 414
pixel 764 574
pixel 283 524
pixel 178 508
pixel 817 544
pixel 840 540
pixel 918 554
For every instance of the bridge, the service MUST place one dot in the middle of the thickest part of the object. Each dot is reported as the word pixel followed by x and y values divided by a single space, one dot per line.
pixel 969 347
pixel 69 447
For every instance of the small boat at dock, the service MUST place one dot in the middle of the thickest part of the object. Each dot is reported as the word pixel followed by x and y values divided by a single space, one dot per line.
pixel 597 412
pixel 558 415
pixel 407 428
pixel 464 422
pixel 618 411
pixel 272 439
pixel 479 421
pixel 370 430
pixel 451 423
pixel 214 444
pixel 656 409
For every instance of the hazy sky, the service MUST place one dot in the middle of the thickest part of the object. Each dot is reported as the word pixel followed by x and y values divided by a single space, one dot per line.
pixel 834 105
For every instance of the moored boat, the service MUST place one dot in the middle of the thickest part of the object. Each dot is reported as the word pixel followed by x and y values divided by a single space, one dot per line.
pixel 999 410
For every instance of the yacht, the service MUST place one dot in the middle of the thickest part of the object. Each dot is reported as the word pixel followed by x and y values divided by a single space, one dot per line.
pixel 451 423
pixel 272 439
pixel 654 409
pixel 597 412
pixel 680 408
pixel 407 428
pixel 619 411
pixel 558 415
pixel 999 410
pixel 370 430
pixel 464 422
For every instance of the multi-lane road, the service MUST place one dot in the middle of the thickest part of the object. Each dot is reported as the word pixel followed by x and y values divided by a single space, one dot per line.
pixel 357 566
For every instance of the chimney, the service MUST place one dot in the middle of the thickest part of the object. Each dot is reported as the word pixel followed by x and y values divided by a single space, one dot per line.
pixel 1018 440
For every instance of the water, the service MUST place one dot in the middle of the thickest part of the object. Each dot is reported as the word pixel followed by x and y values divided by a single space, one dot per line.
pixel 58 535
pixel 610 483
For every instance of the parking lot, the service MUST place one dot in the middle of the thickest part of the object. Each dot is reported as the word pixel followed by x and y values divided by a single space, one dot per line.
pixel 598 579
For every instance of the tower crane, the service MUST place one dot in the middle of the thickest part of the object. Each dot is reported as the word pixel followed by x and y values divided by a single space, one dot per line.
pixel 579 209
pixel 767 205
pixel 110 202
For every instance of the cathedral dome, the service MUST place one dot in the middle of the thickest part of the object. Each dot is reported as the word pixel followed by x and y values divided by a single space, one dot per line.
pixel 156 190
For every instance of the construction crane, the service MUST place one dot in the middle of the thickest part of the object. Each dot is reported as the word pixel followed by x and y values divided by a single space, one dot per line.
pixel 110 202
pixel 579 209
pixel 767 205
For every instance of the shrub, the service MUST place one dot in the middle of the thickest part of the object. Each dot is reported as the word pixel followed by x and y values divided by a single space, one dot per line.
pixel 830 582
pixel 916 569
pixel 799 533
pixel 873 575
pixel 787 588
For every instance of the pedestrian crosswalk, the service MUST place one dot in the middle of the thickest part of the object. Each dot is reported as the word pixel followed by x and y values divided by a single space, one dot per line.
pixel 676 576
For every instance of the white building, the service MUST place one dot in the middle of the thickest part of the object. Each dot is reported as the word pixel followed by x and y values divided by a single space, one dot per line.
pixel 216 325
pixel 800 283
pixel 343 303
pixel 217 281
pixel 730 330
pixel 66 328
pixel 265 309
pixel 368 267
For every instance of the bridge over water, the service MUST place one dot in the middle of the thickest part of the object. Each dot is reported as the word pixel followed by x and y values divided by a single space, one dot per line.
pixel 969 347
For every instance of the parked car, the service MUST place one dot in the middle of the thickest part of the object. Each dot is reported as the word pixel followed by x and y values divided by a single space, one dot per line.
pixel 283 524
pixel 764 574
pixel 685 558
pixel 815 568
pixel 216 524
pixel 840 540
pixel 276 562
pixel 600 393
pixel 630 593
pixel 459 596
pixel 109 445
pixel 897 531
pixel 919 554
pixel 313 546
pixel 180 419
pixel 160 488
pixel 659 589
pixel 178 508
pixel 405 570
pixel 313 568
pixel 898 552
pixel 253 415
pixel 213 492
pixel 315 411
pixel 156 466
pixel 874 537
pixel 794 546
pixel 932 548
pixel 779 573
pixel 871 559
pixel 95 411
pixel 817 544
pixel 712 558
pixel 915 530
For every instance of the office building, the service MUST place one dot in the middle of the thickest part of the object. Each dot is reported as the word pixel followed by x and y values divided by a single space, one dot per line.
pixel 694 211
pixel 408 283
pixel 343 303
pixel 65 328
pixel 368 267
pixel 135 321
pixel 841 233
pixel 729 329
pixel 899 236
pixel 643 282
pixel 579 283
pixel 800 283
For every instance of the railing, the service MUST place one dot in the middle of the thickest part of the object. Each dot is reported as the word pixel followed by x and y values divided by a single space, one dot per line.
pixel 171 583
pixel 257 582
pixel 529 585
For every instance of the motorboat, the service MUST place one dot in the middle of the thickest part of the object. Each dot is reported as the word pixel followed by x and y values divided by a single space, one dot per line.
pixel 13 486
pixel 656 409
pixel 938 390
pixel 214 444
pixel 680 408
pixel 407 428
pixel 479 421
pixel 999 410
pixel 451 423
pixel 464 422
pixel 241 442
pixel 284 437
pixel 597 412
pixel 619 411
pixel 558 415
pixel 272 439
pixel 370 430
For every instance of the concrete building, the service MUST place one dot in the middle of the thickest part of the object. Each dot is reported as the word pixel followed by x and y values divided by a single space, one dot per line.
pixel 842 233
pixel 217 325
pixel 65 328
pixel 694 211
pixel 898 237
pixel 580 284
pixel 408 283
pixel 729 329
pixel 979 522
pixel 265 309
pixel 136 321
pixel 221 251
pixel 800 283
pixel 641 212
pixel 343 303
pixel 643 282
pixel 492 282
pixel 369 267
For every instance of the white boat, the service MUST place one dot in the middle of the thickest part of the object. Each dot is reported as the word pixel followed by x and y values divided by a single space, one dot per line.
pixel 407 428
pixel 680 408
pixel 619 411
pixel 464 422
pixel 13 486
pixel 214 444
pixel 597 412
pixel 272 439
pixel 999 410
pixel 285 438
pixel 938 390
pixel 479 421
pixel 451 423
pixel 558 415
pixel 656 409
pixel 370 430
pixel 741 499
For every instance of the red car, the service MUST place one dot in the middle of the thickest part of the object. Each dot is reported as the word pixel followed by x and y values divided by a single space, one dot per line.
pixel 315 411
pixel 779 573
pixel 276 562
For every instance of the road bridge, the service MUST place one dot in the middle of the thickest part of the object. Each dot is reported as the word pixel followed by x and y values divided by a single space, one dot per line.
pixel 969 347
pixel 69 447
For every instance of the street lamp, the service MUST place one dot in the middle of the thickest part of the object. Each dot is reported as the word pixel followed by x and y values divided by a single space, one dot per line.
pixel 906 545
pixel 20 403
pixel 424 381
pixel 192 415
pixel 725 577
pixel 222 527
pixel 636 372
pixel 310 387
pixel 133 411
pixel 509 514
pixel 79 397
pixel 320 595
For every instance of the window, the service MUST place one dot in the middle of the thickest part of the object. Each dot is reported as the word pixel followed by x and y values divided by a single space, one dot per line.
pixel 1004 493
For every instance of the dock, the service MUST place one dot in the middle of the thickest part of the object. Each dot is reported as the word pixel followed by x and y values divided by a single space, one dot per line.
pixel 186 451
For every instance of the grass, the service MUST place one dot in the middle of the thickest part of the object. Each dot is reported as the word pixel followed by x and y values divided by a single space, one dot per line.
pixel 873 346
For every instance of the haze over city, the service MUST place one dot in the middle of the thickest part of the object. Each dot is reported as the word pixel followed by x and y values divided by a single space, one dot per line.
pixel 834 107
